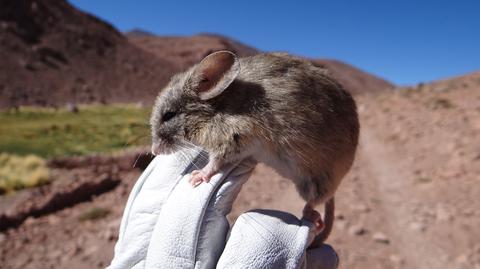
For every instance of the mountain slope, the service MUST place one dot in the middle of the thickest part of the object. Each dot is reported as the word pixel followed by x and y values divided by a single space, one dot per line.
pixel 354 79
pixel 185 51
pixel 52 54
pixel 189 50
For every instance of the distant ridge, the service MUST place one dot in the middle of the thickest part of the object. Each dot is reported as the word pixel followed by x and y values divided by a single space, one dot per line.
pixel 137 32
pixel 187 50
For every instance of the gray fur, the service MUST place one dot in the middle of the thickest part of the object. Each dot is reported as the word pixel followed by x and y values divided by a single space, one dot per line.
pixel 279 109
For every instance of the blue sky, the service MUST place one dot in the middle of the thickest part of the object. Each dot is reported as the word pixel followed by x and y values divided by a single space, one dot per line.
pixel 405 42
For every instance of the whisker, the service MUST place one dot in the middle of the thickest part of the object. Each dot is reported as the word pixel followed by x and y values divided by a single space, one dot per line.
pixel 135 163
pixel 189 158
pixel 188 145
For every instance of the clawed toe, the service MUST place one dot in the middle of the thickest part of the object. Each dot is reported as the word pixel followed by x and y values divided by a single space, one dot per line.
pixel 197 178
pixel 195 172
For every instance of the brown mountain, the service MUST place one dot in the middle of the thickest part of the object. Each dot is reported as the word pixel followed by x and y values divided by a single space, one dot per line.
pixel 188 50
pixel 185 51
pixel 51 53
pixel 352 78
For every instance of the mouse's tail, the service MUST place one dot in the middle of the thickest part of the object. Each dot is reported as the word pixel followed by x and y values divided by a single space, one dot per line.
pixel 329 216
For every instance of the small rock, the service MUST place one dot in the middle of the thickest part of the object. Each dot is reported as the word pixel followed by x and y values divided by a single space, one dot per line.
pixel 72 108
pixel 361 208
pixel 115 223
pixel 25 238
pixel 91 250
pixel 361 108
pixel 417 226
pixel 109 235
pixel 53 219
pixel 462 259
pixel 55 254
pixel 396 259
pixel 442 214
pixel 74 250
pixel 357 230
pixel 380 238
pixel 341 224
pixel 468 212
pixel 29 221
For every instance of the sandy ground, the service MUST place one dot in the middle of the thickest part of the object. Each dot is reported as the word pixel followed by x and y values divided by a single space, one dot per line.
pixel 410 200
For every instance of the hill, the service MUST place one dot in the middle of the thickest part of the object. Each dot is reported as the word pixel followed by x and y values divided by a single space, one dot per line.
pixel 54 54
pixel 353 79
pixel 185 51
pixel 188 50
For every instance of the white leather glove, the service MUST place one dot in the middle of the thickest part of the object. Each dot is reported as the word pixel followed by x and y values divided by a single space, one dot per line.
pixel 167 223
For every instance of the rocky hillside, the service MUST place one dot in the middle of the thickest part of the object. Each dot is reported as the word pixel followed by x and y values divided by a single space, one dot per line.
pixel 54 54
pixel 353 79
pixel 189 50
pixel 185 51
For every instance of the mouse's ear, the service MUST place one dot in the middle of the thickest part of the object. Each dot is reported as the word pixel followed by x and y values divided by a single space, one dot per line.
pixel 214 74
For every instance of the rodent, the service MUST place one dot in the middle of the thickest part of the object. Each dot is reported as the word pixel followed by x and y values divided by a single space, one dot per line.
pixel 279 109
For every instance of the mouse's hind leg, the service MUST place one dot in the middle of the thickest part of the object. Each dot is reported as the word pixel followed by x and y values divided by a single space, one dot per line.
pixel 329 215
pixel 318 190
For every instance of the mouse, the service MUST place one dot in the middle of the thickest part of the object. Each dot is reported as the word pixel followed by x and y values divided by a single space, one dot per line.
pixel 276 108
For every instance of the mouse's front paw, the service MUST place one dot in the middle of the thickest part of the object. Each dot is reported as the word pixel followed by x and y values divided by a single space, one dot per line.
pixel 198 177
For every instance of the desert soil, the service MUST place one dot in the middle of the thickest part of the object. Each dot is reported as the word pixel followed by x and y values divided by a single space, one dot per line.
pixel 410 200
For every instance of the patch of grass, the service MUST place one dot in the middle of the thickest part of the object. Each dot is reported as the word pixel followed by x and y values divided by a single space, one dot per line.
pixel 18 172
pixel 52 133
pixel 94 214
pixel 424 179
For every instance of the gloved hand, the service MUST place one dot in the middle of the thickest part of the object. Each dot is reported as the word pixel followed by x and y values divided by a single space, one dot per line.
pixel 167 223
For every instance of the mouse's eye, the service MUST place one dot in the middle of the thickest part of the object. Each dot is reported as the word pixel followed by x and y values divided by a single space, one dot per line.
pixel 168 116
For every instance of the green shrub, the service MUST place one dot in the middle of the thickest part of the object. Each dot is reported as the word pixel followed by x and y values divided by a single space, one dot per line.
pixel 94 213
